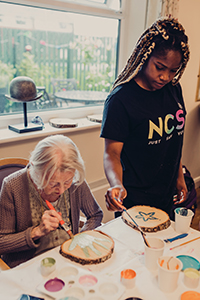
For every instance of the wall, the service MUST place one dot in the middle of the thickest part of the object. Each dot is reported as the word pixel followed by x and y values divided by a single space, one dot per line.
pixel 188 15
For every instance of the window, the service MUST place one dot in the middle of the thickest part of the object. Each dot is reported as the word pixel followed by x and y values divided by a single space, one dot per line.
pixel 70 56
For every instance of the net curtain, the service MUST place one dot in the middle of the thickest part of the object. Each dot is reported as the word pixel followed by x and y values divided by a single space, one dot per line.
pixel 161 8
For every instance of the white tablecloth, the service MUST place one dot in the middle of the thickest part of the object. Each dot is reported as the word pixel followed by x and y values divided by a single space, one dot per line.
pixel 128 253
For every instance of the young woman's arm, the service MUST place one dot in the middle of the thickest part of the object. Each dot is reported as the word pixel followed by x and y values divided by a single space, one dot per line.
pixel 114 174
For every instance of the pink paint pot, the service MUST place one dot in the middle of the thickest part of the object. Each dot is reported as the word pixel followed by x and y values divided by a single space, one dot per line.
pixel 54 285
pixel 88 280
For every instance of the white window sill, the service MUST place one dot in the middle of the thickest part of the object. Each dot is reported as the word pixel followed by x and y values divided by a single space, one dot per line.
pixel 7 135
pixel 79 115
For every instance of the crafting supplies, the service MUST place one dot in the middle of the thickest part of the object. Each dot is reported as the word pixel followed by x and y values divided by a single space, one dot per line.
pixel 62 222
pixel 185 243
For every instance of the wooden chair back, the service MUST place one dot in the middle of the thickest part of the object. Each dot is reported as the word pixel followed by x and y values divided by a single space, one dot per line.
pixel 9 165
pixel 3 265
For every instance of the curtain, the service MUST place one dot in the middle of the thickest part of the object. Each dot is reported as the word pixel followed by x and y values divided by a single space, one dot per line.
pixel 169 8
pixel 161 8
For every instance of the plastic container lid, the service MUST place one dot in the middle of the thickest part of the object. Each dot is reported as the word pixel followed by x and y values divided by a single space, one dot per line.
pixel 190 295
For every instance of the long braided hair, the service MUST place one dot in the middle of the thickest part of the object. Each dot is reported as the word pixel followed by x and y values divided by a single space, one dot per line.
pixel 165 34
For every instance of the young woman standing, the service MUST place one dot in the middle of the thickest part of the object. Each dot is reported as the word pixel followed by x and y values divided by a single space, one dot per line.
pixel 143 122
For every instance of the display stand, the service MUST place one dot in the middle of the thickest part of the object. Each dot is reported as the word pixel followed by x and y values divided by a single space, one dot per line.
pixel 20 128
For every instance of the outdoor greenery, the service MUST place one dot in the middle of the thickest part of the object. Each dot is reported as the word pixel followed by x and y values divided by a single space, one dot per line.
pixel 7 72
pixel 89 61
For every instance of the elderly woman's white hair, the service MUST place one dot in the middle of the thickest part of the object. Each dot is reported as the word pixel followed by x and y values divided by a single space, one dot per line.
pixel 56 152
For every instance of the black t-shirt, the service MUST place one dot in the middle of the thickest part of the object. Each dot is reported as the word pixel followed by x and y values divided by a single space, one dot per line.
pixel 151 126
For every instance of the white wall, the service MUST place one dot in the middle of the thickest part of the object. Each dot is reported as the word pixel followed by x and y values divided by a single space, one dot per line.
pixel 188 15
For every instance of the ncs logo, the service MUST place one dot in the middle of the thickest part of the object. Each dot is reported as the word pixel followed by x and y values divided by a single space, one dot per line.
pixel 164 124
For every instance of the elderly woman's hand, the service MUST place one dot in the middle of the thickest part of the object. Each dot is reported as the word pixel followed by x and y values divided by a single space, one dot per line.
pixel 49 222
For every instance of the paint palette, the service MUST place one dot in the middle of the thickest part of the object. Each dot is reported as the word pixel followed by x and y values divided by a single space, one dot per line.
pixel 77 284
pixel 189 262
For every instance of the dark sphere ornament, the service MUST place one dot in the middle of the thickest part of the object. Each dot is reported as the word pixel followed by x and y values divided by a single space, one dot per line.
pixel 23 89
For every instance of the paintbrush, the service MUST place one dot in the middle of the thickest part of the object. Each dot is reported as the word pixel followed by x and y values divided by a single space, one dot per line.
pixel 185 243
pixel 62 222
pixel 142 233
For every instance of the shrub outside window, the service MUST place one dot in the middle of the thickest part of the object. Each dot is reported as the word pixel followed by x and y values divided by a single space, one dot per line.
pixel 60 51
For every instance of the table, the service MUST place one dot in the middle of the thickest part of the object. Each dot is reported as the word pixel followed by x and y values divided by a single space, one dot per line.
pixel 128 253
pixel 86 97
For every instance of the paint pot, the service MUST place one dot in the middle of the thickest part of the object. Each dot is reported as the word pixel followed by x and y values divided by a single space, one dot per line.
pixel 133 298
pixel 68 272
pixel 128 277
pixel 191 278
pixel 153 252
pixel 54 285
pixel 182 223
pixel 48 265
pixel 88 280
pixel 190 295
pixel 169 268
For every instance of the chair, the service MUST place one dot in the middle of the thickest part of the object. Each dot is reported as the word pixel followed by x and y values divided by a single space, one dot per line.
pixel 3 265
pixel 68 84
pixel 9 165
pixel 45 95
pixel 44 101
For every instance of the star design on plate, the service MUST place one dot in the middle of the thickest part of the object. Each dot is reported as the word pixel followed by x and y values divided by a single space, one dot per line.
pixel 146 216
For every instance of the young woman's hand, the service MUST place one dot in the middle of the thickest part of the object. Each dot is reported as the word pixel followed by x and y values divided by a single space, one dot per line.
pixel 49 222
pixel 181 193
pixel 114 198
pixel 180 187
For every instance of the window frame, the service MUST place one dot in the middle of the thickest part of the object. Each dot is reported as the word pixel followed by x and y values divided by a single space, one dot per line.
pixel 94 9
pixel 76 6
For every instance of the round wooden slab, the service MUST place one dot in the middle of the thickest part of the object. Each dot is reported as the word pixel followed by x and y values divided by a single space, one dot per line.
pixel 149 219
pixel 63 123
pixel 95 118
pixel 88 247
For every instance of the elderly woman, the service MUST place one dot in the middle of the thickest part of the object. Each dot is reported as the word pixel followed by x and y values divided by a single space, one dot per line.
pixel 55 173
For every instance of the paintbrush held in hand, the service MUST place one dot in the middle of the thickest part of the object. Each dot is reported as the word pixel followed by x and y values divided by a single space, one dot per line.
pixel 62 222
pixel 142 233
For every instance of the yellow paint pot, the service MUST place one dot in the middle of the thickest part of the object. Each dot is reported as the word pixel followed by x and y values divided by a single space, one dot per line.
pixel 191 278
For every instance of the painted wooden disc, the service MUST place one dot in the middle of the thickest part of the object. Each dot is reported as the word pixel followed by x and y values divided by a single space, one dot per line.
pixel 88 247
pixel 149 219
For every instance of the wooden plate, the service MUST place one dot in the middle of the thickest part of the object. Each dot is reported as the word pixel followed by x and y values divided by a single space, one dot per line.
pixel 95 118
pixel 149 219
pixel 63 123
pixel 88 247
